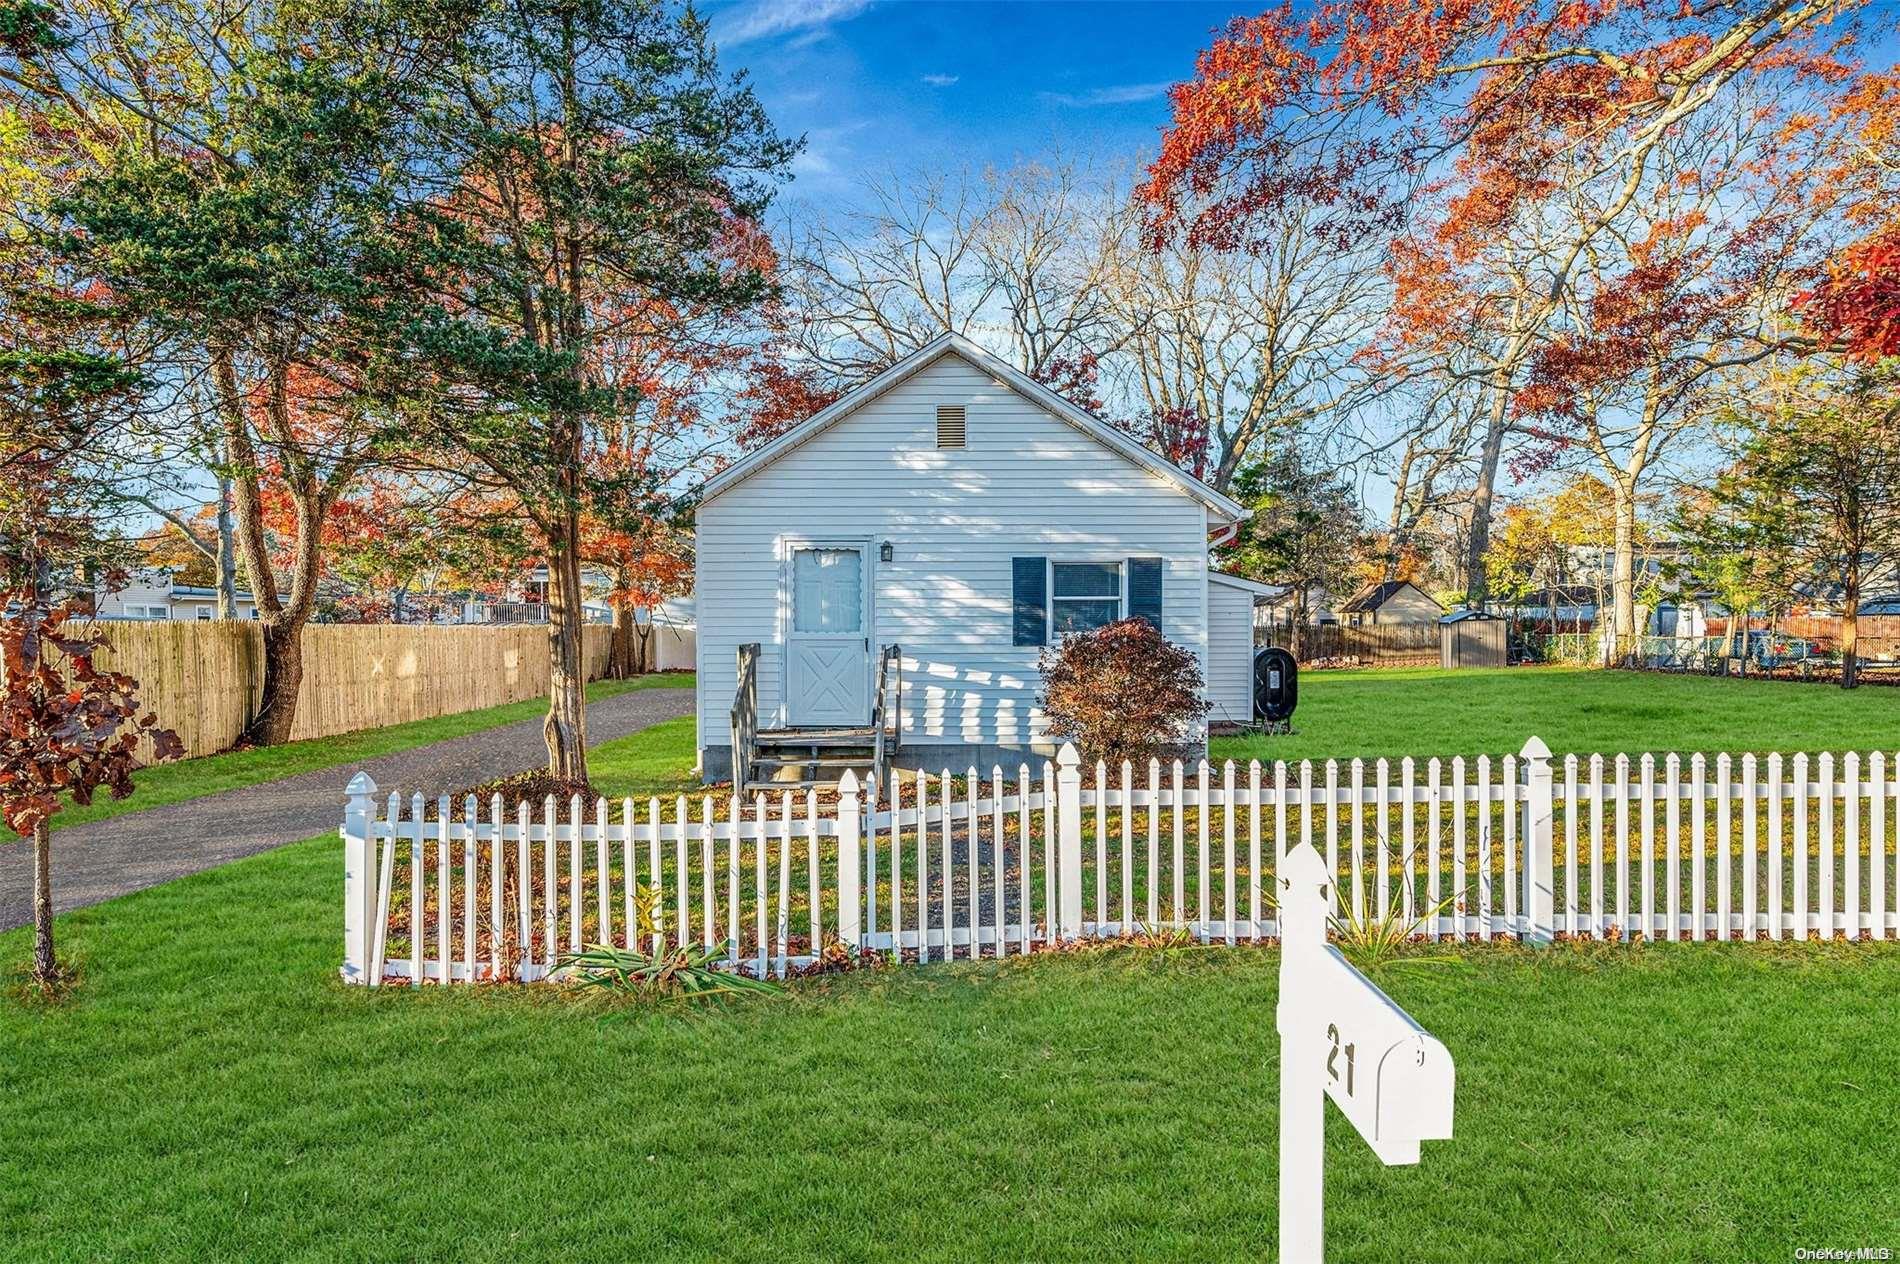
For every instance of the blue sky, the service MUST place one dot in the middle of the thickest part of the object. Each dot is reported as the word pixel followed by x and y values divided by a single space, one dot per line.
pixel 877 87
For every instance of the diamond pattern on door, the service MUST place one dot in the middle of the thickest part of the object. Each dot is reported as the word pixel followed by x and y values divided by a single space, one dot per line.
pixel 827 654
pixel 831 684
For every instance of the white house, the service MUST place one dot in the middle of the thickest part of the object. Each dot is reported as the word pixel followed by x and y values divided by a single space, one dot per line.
pixel 964 513
pixel 151 595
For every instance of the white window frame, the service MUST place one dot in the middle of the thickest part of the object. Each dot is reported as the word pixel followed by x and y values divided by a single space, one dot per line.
pixel 1120 564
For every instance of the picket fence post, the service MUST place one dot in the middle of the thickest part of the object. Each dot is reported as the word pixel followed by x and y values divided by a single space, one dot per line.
pixel 1068 842
pixel 1538 896
pixel 359 879
pixel 850 858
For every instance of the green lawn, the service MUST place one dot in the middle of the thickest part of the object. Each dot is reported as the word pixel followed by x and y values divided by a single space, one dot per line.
pixel 656 760
pixel 213 1092
pixel 1430 711
pixel 195 778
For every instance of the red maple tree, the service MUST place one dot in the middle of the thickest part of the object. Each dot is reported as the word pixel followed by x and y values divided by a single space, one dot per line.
pixel 68 730
pixel 1451 130
pixel 1855 307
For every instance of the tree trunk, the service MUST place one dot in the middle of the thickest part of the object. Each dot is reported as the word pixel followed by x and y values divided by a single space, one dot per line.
pixel 566 726
pixel 1477 581
pixel 45 964
pixel 283 679
pixel 282 622
pixel 1850 632
pixel 227 552
pixel 623 660
pixel 1623 570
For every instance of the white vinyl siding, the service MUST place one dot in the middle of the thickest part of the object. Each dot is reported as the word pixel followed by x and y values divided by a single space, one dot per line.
pixel 1229 653
pixel 1028 484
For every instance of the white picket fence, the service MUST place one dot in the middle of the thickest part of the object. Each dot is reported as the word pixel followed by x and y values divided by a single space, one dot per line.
pixel 948 867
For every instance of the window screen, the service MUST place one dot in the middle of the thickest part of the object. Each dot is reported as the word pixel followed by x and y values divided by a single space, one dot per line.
pixel 1084 596
pixel 828 590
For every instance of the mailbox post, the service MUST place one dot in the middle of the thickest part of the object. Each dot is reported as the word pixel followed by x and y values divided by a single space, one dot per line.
pixel 1342 1037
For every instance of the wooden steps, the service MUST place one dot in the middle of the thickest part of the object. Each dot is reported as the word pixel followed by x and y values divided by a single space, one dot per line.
pixel 806 757
pixel 816 737
pixel 799 759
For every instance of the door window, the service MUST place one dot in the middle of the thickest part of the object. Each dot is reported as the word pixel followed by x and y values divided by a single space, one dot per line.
pixel 828 591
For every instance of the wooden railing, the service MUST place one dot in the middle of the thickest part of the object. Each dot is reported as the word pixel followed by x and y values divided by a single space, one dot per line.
pixel 745 713
pixel 887 712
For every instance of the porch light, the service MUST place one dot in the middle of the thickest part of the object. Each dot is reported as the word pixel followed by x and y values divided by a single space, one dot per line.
pixel 885 552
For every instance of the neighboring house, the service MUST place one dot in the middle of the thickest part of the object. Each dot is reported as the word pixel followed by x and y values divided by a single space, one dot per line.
pixel 154 595
pixel 1394 601
pixel 527 600
pixel 1879 593
pixel 959 510
pixel 1574 603
pixel 1280 607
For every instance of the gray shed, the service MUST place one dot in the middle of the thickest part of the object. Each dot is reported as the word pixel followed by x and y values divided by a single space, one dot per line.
pixel 1472 638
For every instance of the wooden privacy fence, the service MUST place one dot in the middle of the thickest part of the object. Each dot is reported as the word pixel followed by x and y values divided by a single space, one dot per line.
pixel 1384 644
pixel 205 678
pixel 1524 847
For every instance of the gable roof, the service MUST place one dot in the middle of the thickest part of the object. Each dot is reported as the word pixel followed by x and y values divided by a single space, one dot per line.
pixel 1252 586
pixel 1375 595
pixel 1021 383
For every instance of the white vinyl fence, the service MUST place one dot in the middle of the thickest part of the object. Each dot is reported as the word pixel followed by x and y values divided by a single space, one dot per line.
pixel 956 866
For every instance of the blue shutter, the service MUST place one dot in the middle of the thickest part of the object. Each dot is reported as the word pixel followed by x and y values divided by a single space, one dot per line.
pixel 1030 581
pixel 1144 590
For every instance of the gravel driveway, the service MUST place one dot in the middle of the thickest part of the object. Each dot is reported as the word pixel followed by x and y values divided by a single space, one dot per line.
pixel 142 849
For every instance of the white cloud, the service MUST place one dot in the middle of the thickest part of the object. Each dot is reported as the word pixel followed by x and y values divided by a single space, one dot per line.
pixel 1117 94
pixel 813 162
pixel 827 153
pixel 941 81
pixel 756 19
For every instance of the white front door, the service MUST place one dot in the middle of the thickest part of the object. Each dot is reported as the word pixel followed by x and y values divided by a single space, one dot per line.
pixel 828 645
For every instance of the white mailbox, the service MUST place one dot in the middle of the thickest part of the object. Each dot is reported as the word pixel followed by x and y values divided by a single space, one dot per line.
pixel 1344 1038
pixel 1389 1076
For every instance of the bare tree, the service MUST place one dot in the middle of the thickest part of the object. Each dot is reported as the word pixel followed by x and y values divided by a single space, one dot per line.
pixel 1048 265
pixel 1666 302
pixel 1260 343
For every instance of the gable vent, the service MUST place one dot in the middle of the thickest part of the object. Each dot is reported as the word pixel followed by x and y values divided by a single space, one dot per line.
pixel 951 431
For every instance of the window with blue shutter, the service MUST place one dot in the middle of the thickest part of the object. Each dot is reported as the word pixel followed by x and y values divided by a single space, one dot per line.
pixel 1144 590
pixel 1084 596
pixel 1030 582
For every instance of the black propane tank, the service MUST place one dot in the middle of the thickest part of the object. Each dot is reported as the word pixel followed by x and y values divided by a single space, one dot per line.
pixel 1276 685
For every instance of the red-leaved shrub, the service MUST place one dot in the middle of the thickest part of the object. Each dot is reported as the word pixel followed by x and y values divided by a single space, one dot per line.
pixel 1121 692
